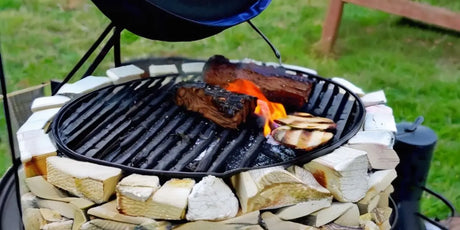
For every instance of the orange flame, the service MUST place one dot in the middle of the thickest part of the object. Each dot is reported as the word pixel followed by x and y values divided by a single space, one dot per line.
pixel 265 108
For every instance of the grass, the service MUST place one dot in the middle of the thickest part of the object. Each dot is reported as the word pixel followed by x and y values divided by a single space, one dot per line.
pixel 418 67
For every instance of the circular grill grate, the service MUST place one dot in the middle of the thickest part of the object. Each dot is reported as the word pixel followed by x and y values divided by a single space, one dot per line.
pixel 137 127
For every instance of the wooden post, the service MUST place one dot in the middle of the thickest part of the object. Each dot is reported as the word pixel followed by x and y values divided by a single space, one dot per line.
pixel 414 10
pixel 331 25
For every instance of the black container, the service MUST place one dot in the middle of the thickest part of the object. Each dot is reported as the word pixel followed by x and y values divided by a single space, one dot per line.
pixel 414 144
pixel 10 217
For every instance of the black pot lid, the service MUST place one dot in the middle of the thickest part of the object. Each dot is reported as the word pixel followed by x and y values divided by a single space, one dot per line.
pixel 415 133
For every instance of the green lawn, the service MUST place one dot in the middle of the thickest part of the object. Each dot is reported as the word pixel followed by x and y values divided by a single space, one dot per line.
pixel 418 67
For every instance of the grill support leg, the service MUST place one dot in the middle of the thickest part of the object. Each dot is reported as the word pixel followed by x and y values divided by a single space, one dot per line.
pixel 15 160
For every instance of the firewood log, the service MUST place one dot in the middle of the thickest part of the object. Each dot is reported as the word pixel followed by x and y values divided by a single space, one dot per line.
pixel 273 222
pixel 211 199
pixel 350 218
pixel 307 207
pixel 83 179
pixel 343 172
pixel 273 187
pixel 327 215
pixel 168 202
pixel 109 211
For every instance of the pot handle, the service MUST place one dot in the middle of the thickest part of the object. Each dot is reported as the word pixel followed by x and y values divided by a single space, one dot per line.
pixel 444 200
pixel 274 49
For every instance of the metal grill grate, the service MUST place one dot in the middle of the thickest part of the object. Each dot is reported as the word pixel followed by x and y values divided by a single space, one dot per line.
pixel 136 126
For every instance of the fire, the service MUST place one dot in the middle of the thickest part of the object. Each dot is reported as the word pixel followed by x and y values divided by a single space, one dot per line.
pixel 265 108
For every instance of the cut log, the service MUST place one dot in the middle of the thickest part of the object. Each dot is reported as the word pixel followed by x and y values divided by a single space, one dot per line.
pixel 83 179
pixel 109 211
pixel 43 189
pixel 327 215
pixel 384 197
pixel 273 222
pixel 250 218
pixel 379 121
pixel 343 172
pixel 380 157
pixel 366 205
pixel 378 182
pixel 35 147
pixel 334 226
pixel 32 219
pixel 380 137
pixel 304 208
pixel 100 224
pixel 381 215
pixel 169 202
pixel 211 199
pixel 208 225
pixel 61 225
pixel 50 215
pixel 272 187
pixel 138 187
pixel 68 210
pixel 349 218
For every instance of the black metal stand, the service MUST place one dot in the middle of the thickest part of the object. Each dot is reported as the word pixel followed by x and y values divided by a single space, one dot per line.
pixel 14 159
pixel 114 41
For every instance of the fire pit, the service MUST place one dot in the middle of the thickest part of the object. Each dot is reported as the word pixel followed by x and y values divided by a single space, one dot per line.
pixel 137 127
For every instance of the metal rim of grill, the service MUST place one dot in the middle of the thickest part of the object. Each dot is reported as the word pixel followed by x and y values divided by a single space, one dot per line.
pixel 136 126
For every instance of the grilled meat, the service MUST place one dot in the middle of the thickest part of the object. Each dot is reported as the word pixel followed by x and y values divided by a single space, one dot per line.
pixel 290 90
pixel 225 108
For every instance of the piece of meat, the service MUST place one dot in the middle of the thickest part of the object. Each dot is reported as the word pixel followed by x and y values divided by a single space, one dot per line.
pixel 278 86
pixel 225 108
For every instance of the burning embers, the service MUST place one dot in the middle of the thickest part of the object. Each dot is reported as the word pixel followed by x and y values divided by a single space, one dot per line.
pixel 268 110
pixel 248 82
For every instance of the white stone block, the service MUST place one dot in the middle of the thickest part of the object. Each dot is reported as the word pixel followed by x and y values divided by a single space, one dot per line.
pixel 156 70
pixel 193 67
pixel 380 137
pixel 380 121
pixel 374 98
pixel 85 85
pixel 38 120
pixel 48 102
pixel 125 73
pixel 347 84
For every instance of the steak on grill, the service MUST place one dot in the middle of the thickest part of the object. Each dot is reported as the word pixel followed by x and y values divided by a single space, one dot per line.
pixel 278 86
pixel 225 108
